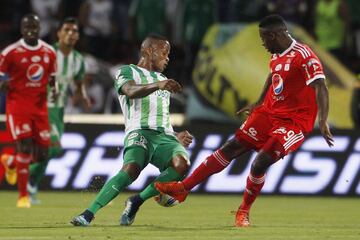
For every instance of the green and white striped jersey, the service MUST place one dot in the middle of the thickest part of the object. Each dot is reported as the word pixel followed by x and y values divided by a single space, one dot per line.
pixel 70 68
pixel 150 112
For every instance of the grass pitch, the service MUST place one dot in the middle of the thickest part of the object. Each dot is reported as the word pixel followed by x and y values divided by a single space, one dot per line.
pixel 200 217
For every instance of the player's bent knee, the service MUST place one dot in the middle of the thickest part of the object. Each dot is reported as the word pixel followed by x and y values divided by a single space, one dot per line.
pixel 180 164
pixel 132 169
pixel 261 163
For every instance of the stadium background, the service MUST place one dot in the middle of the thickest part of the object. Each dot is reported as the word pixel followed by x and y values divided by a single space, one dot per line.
pixel 218 58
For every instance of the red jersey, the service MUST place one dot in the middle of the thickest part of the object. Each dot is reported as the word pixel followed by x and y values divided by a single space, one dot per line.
pixel 290 96
pixel 29 69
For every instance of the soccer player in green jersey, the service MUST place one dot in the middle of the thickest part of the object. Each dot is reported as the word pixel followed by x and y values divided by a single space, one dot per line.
pixel 144 96
pixel 71 68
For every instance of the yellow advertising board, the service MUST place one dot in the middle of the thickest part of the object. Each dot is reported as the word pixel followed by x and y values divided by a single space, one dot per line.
pixel 232 66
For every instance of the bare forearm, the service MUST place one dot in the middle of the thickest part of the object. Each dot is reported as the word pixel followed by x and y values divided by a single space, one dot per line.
pixel 264 90
pixel 80 90
pixel 322 99
pixel 140 90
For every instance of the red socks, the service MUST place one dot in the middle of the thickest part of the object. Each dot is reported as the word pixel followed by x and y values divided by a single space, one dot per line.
pixel 22 170
pixel 12 162
pixel 213 164
pixel 254 185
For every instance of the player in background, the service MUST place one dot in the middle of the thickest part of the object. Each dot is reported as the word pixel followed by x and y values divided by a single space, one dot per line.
pixel 30 64
pixel 144 95
pixel 293 95
pixel 71 69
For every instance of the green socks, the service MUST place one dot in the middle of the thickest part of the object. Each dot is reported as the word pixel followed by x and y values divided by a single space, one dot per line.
pixel 167 175
pixel 37 169
pixel 110 190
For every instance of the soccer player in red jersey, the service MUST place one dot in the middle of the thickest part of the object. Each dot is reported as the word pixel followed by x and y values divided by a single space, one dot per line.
pixel 293 95
pixel 30 64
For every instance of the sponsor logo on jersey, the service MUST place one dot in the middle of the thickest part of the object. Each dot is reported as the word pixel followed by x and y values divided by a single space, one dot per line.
pixel 23 129
pixel 287 67
pixel 35 72
pixel 292 54
pixel 44 135
pixel 281 130
pixel 278 67
pixel 312 61
pixel 46 58
pixel 278 84
pixel 163 93
pixel 36 58
pixel 133 135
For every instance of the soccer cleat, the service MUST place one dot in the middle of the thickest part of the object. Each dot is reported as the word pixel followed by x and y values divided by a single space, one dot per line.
pixel 24 202
pixel 132 205
pixel 83 219
pixel 174 189
pixel 242 218
pixel 33 190
pixel 10 173
pixel 79 221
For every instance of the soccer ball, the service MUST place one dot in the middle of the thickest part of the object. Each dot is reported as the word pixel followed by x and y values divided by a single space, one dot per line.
pixel 166 200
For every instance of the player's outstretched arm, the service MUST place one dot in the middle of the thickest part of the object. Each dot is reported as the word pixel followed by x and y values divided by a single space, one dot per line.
pixel 133 90
pixel 185 138
pixel 248 109
pixel 322 100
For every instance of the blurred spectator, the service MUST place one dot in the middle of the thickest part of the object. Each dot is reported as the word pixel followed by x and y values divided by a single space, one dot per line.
pixel 196 17
pixel 112 103
pixel 121 19
pixel 292 10
pixel 48 12
pixel 69 8
pixel 5 25
pixel 121 48
pixel 17 9
pixel 355 104
pixel 96 19
pixel 354 7
pixel 94 89
pixel 172 19
pixel 147 16
pixel 332 25
pixel 244 10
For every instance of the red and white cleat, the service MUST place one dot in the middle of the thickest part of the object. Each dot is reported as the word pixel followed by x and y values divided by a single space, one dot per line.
pixel 174 189
pixel 242 218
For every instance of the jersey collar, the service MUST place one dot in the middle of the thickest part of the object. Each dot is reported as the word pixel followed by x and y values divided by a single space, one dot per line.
pixel 288 49
pixel 27 46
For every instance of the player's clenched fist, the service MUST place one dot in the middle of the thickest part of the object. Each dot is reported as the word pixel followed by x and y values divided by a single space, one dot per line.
pixel 170 85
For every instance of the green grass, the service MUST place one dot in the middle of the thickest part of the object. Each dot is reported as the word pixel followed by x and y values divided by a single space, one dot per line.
pixel 200 217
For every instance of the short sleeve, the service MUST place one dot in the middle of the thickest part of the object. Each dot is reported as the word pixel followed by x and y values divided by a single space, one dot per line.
pixel 53 65
pixel 123 75
pixel 311 69
pixel 4 64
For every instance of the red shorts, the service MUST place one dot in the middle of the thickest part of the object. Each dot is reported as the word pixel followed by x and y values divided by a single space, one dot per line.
pixel 24 126
pixel 277 137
